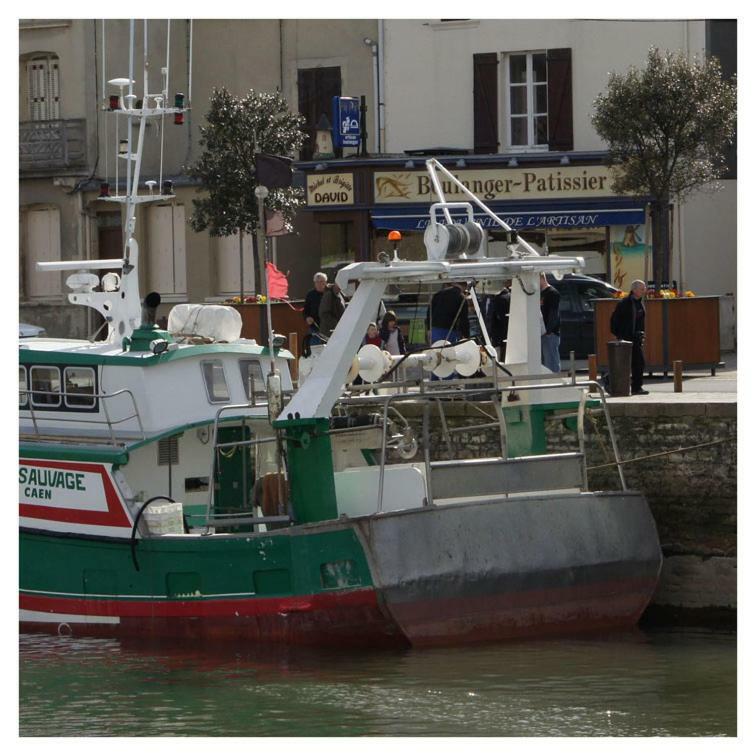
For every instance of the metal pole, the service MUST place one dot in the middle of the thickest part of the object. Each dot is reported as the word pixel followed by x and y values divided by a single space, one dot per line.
pixel 612 437
pixel 383 453
pixel 104 99
pixel 266 329
pixel 167 63
pixel 146 67
pixel 363 127
pixel 437 188
pixel 581 436
pixel 503 439
pixel 426 449
pixel 376 100
pixel 381 109
pixel 131 92
pixel 191 45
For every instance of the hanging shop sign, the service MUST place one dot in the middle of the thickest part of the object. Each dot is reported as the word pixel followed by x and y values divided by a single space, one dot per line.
pixel 555 182
pixel 346 121
pixel 327 189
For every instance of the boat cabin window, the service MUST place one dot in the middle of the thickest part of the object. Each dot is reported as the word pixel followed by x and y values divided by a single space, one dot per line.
pixel 23 397
pixel 252 378
pixel 45 386
pixel 215 381
pixel 80 386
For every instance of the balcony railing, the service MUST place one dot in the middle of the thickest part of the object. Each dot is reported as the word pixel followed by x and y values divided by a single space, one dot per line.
pixel 46 146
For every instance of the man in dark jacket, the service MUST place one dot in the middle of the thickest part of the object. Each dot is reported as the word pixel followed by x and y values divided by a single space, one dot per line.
pixel 447 316
pixel 311 311
pixel 551 322
pixel 331 308
pixel 497 319
pixel 628 323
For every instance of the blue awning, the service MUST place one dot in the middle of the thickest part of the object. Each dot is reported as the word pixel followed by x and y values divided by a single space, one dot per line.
pixel 417 218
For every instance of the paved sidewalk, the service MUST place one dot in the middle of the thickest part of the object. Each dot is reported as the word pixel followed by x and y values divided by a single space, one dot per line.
pixel 698 385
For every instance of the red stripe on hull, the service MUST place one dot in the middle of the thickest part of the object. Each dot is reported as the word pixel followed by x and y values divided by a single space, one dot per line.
pixel 352 618
pixel 528 614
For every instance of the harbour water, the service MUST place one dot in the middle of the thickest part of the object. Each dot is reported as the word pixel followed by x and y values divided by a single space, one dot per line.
pixel 642 683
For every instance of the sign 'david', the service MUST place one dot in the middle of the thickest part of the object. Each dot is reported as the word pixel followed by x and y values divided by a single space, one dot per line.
pixel 324 189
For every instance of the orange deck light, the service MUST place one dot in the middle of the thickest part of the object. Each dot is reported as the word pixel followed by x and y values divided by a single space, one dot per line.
pixel 395 236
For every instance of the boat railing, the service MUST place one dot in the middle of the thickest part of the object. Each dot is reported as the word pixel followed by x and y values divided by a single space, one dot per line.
pixel 483 387
pixel 79 419
pixel 213 518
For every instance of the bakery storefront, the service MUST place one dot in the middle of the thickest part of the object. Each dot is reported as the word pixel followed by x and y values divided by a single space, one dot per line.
pixel 566 209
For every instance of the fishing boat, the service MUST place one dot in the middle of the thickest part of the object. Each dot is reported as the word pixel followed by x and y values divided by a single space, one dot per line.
pixel 175 483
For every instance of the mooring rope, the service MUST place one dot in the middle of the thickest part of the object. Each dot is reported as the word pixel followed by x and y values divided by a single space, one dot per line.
pixel 664 453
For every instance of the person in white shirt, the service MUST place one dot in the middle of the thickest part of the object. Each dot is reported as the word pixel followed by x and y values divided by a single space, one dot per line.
pixel 391 335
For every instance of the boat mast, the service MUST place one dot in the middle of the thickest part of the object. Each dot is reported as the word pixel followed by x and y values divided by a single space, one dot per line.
pixel 118 300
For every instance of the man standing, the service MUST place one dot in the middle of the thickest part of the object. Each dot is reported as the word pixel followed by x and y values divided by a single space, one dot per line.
pixel 311 311
pixel 331 308
pixel 497 319
pixel 629 324
pixel 550 329
pixel 447 316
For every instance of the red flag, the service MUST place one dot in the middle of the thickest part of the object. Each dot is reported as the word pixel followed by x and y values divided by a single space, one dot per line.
pixel 278 284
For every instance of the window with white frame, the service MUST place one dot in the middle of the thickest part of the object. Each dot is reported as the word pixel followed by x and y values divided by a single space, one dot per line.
pixel 526 100
pixel 522 101
pixel 252 378
pixel 23 396
pixel 43 87
pixel 80 387
pixel 45 386
pixel 215 381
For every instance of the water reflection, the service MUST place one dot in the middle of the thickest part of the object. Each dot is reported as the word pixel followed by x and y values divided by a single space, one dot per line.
pixel 658 683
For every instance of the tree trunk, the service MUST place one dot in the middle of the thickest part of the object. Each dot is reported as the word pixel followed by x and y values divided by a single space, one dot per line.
pixel 660 225
pixel 241 267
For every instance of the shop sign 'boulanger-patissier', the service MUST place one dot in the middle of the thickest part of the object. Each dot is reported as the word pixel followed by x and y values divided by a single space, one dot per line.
pixel 556 182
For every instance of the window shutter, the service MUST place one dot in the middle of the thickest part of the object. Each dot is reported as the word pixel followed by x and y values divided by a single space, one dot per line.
pixel 560 99
pixel 166 251
pixel 486 102
pixel 316 87
pixel 42 244
pixel 37 90
pixel 44 89
pixel 53 90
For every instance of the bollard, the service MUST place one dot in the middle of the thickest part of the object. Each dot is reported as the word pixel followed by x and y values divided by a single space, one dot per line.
pixel 294 349
pixel 677 366
pixel 620 357
pixel 592 367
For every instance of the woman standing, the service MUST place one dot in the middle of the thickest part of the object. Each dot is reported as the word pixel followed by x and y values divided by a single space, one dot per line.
pixel 391 335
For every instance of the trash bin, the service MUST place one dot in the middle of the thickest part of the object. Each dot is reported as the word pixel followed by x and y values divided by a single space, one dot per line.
pixel 620 354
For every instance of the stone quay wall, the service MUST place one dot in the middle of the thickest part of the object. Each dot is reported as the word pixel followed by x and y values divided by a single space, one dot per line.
pixel 692 493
